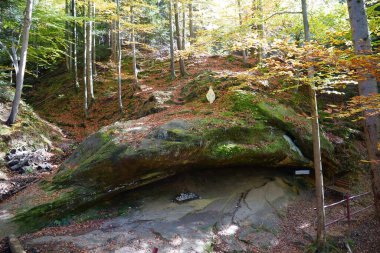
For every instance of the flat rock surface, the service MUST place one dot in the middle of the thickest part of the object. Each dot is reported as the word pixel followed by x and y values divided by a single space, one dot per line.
pixel 227 217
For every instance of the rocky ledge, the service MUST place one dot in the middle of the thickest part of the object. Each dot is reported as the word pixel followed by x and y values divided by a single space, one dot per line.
pixel 127 155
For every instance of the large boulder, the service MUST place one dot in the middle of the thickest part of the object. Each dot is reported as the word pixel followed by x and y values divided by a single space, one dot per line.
pixel 126 155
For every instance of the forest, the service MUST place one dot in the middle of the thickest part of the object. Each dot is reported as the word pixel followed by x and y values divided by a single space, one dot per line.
pixel 189 126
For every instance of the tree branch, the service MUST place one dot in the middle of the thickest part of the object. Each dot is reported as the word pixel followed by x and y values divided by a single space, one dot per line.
pixel 13 56
pixel 281 13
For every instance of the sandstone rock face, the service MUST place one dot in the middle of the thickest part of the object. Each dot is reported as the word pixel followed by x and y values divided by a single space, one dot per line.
pixel 106 160
pixel 130 154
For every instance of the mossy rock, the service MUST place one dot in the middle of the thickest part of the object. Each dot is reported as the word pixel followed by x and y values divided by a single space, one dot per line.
pixel 249 133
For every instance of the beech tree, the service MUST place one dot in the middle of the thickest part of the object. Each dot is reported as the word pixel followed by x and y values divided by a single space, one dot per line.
pixel 244 51
pixel 191 22
pixel 182 67
pixel 85 59
pixel 367 87
pixel 89 56
pixel 94 39
pixel 75 43
pixel 172 67
pixel 20 67
pixel 118 43
pixel 133 43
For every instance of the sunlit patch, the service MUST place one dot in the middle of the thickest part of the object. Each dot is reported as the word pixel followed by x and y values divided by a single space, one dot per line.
pixel 304 225
pixel 5 215
pixel 134 129
pixel 231 230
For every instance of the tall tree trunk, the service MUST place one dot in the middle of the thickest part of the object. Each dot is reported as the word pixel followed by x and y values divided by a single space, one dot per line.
pixel 134 62
pixel 94 41
pixel 172 68
pixel 70 37
pixel 90 80
pixel 85 62
pixel 183 27
pixel 119 56
pixel 109 35
pixel 114 46
pixel 367 87
pixel 75 35
pixel 182 67
pixel 21 66
pixel 67 37
pixel 191 23
pixel 321 231
pixel 244 52
pixel 261 30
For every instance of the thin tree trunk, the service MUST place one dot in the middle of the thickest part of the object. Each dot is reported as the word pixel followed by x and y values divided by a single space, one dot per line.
pixel 109 35
pixel 183 27
pixel 67 48
pixel 321 231
pixel 21 66
pixel 75 35
pixel 94 41
pixel 114 53
pixel 172 68
pixel 182 67
pixel 367 87
pixel 261 31
pixel 89 53
pixel 11 77
pixel 134 63
pixel 119 56
pixel 114 36
pixel 85 62
pixel 191 23
pixel 70 37
pixel 244 52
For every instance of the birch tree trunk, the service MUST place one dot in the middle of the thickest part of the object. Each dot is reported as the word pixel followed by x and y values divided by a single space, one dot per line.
pixel 367 87
pixel 90 80
pixel 172 68
pixel 319 190
pixel 182 67
pixel 21 66
pixel 119 56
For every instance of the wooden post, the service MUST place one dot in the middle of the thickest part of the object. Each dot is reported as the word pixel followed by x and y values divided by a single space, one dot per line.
pixel 320 195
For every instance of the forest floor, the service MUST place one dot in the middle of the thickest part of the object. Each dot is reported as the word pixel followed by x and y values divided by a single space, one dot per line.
pixel 62 104
pixel 297 223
